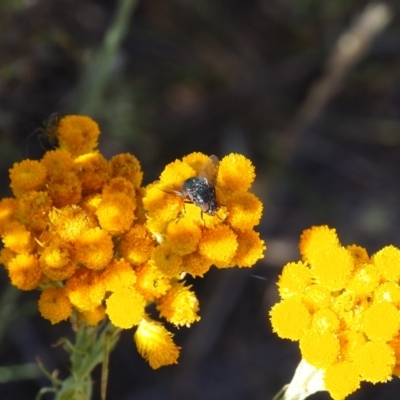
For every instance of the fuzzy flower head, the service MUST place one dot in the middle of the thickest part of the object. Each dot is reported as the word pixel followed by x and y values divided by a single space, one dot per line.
pixel 78 134
pixel 201 209
pixel 179 305
pixel 342 305
pixel 27 175
pixel 155 343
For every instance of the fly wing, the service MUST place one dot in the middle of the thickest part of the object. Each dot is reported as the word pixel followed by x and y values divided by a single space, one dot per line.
pixel 176 190
pixel 210 169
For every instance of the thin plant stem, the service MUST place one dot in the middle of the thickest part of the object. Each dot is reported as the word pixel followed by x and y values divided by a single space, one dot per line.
pixel 95 78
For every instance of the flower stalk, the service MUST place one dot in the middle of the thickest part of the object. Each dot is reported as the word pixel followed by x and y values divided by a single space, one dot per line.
pixel 86 354
pixel 306 381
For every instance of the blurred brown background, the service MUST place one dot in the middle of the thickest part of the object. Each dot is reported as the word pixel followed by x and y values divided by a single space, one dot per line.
pixel 312 98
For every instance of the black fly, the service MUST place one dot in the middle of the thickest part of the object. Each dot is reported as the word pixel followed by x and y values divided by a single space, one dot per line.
pixel 200 190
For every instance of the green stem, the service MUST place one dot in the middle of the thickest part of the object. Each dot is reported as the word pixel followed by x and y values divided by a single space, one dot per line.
pixel 86 354
pixel 104 367
pixel 95 78
pixel 19 372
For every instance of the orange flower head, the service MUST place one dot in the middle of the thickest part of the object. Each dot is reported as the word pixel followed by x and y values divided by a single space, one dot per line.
pixel 290 318
pixel 17 238
pixel 316 297
pixel 195 264
pixel 137 244
pixel 168 262
pixel 93 171
pixel 8 210
pixel 374 361
pixel 320 348
pixel 219 244
pixel 175 174
pixel 294 280
pixel 155 343
pixel 332 269
pixel 372 317
pixel 24 271
pixel 316 240
pixel 6 255
pixel 26 176
pixel 235 173
pixel 341 379
pixel 116 213
pixel 65 190
pixel 350 341
pixel 325 320
pixel 78 134
pixel 119 185
pixel 388 262
pixel 388 291
pixel 57 260
pixel 244 211
pixel 94 248
pixel 250 249
pixel 179 305
pixel 33 210
pixel 364 280
pixel 71 222
pixel 161 208
pixel 151 282
pixel 85 289
pixel 127 166
pixel 184 236
pixel 57 162
pixel 118 275
pixel 195 161
pixel 125 307
pixel 94 317
pixel 359 255
pixel 54 305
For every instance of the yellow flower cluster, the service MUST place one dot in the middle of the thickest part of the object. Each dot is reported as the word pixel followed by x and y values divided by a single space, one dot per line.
pixel 98 245
pixel 190 241
pixel 343 306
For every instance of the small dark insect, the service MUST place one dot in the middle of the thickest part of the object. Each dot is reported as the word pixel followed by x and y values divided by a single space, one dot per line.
pixel 200 190
pixel 48 131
